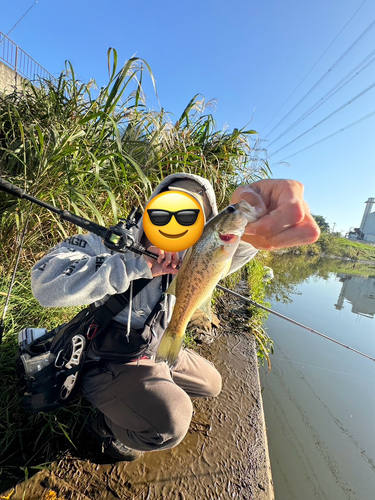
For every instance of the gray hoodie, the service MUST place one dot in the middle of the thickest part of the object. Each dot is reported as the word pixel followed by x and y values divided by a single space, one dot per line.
pixel 82 270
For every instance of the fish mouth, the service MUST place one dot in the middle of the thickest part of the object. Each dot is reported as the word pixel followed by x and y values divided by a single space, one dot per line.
pixel 228 238
pixel 173 235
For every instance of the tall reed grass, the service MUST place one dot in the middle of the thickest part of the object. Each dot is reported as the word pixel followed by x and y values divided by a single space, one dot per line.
pixel 98 152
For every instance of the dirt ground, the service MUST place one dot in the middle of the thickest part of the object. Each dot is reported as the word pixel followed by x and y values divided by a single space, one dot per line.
pixel 223 456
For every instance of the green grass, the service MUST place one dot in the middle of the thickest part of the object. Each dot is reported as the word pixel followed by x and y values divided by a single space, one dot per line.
pixel 256 273
pixel 362 251
pixel 291 270
pixel 253 273
pixel 29 440
pixel 333 245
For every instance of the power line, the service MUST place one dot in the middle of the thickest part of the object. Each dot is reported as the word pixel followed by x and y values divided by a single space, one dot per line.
pixel 348 50
pixel 344 81
pixel 20 19
pixel 327 117
pixel 307 74
pixel 329 136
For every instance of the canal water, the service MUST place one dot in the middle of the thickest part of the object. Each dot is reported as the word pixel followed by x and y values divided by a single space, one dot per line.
pixel 319 398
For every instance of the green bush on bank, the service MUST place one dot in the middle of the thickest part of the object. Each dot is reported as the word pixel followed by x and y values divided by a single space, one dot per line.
pixel 257 281
pixel 336 246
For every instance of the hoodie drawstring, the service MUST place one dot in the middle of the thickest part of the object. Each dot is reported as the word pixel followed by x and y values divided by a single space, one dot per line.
pixel 130 311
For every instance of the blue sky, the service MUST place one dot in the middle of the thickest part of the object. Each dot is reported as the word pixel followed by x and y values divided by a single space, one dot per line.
pixel 250 56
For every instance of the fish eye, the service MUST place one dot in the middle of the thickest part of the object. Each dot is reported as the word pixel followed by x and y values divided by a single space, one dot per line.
pixel 231 208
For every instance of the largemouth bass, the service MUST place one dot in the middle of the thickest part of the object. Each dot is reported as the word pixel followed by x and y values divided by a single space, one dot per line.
pixel 205 263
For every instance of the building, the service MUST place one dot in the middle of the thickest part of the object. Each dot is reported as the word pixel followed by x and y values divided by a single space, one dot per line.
pixel 366 231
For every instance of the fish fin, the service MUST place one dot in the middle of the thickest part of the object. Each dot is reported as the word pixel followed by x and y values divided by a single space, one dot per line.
pixel 226 269
pixel 172 287
pixel 169 349
pixel 206 306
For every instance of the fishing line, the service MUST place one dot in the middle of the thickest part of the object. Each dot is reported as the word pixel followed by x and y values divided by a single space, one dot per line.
pixel 116 238
pixel 292 321
pixel 14 274
pixel 321 368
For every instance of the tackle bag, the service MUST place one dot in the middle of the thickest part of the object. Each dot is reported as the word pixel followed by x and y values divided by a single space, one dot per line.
pixel 49 363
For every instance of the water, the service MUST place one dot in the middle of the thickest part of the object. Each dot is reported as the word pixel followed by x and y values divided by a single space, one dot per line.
pixel 319 398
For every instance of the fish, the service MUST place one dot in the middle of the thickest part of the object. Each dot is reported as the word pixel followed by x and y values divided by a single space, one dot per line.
pixel 204 264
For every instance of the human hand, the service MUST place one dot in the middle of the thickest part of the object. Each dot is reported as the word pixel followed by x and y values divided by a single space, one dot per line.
pixel 166 262
pixel 285 219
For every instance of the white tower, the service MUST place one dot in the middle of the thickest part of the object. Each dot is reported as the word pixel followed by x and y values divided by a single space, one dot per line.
pixel 368 209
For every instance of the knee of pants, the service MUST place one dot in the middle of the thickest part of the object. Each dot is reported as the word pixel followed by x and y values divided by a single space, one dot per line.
pixel 174 423
pixel 161 425
pixel 213 385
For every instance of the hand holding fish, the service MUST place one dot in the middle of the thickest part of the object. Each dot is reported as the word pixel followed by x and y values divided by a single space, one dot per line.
pixel 285 220
pixel 167 262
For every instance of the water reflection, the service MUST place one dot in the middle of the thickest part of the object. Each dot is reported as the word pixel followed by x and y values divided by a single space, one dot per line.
pixel 291 271
pixel 318 398
pixel 359 292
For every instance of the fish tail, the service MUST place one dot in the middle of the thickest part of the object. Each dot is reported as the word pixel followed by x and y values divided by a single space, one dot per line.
pixel 169 348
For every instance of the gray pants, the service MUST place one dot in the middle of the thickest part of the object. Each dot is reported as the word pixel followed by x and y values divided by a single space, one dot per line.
pixel 147 406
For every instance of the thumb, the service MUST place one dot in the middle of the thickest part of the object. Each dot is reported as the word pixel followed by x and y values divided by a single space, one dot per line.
pixel 252 198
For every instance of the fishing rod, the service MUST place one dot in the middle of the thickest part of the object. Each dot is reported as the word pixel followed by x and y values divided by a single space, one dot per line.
pixel 119 238
pixel 115 238
pixel 252 302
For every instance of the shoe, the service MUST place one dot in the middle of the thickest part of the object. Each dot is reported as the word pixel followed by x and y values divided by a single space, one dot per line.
pixel 118 450
pixel 97 427
pixel 202 328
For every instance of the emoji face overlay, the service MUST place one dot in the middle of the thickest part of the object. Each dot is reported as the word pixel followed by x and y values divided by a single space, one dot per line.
pixel 173 221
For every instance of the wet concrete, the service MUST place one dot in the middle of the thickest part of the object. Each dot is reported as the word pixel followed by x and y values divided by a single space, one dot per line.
pixel 223 456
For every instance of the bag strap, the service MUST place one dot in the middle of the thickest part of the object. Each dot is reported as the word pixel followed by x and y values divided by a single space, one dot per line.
pixel 165 283
pixel 103 314
pixel 93 319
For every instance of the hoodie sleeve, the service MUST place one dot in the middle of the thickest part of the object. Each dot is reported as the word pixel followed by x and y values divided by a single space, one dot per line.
pixel 243 254
pixel 81 270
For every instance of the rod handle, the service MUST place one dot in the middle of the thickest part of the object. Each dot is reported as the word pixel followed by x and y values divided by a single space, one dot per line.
pixel 88 225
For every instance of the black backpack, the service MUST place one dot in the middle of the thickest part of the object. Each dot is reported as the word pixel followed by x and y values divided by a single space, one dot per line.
pixel 48 367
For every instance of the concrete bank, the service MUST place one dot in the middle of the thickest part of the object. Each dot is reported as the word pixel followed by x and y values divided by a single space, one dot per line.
pixel 8 77
pixel 223 456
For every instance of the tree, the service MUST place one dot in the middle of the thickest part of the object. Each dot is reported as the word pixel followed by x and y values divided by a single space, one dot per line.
pixel 322 223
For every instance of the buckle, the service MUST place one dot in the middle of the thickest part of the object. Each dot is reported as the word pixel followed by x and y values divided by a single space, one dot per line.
pixel 91 331
pixel 57 359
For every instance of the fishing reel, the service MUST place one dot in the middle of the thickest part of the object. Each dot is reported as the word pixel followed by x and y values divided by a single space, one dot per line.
pixel 119 236
pixel 120 239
